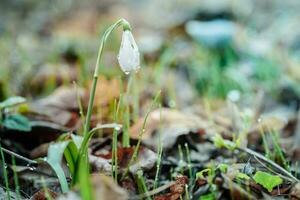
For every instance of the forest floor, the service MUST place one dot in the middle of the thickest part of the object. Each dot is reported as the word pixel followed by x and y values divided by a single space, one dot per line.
pixel 212 113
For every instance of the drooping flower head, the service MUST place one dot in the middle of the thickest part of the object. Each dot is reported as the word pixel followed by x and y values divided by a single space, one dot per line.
pixel 129 56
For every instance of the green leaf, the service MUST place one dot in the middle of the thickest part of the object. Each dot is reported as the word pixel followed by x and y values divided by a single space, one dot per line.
pixel 242 176
pixel 69 148
pixel 209 196
pixel 219 142
pixel 201 173
pixel 71 155
pixel 267 180
pixel 85 187
pixel 12 101
pixel 17 122
pixel 223 167
pixel 55 154
pixel 54 157
pixel 77 140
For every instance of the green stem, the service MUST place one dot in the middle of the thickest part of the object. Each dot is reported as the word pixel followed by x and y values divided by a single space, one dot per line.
pixel 86 135
pixel 126 26
pixel 16 180
pixel 89 112
pixel 187 150
pixel 4 166
pixel 126 121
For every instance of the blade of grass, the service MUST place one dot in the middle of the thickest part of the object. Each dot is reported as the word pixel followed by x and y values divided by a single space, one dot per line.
pixel 159 152
pixel 142 185
pixel 180 152
pixel 279 151
pixel 85 186
pixel 187 150
pixel 16 180
pixel 136 149
pixel 115 142
pixel 71 155
pixel 81 113
pixel 55 153
pixel 4 166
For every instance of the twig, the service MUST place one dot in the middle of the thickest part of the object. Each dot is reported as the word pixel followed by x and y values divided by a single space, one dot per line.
pixel 153 192
pixel 265 166
pixel 270 162
pixel 18 156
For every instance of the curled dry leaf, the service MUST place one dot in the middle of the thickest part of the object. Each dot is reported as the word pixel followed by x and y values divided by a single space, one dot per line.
pixel 39 151
pixel 176 190
pixel 146 160
pixel 104 188
pixel 44 195
pixel 274 121
pixel 170 124
pixel 60 107
pixel 49 75
pixel 99 164
pixel 295 192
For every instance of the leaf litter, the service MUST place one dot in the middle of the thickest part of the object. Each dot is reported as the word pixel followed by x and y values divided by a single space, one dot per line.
pixel 227 123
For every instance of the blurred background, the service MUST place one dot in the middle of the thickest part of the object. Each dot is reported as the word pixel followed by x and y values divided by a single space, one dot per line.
pixel 224 66
pixel 207 48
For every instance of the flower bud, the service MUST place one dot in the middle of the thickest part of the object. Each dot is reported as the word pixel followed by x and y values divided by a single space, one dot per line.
pixel 129 56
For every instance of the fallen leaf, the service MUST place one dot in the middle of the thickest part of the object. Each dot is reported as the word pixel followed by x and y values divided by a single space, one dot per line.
pixel 12 101
pixel 44 195
pixel 17 122
pixel 176 190
pixel 104 188
pixel 59 106
pixel 170 124
pixel 267 180
pixel 295 192
pixel 146 159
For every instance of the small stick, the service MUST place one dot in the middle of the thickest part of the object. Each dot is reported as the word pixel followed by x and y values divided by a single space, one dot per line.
pixel 276 166
pixel 265 166
pixel 153 192
pixel 18 156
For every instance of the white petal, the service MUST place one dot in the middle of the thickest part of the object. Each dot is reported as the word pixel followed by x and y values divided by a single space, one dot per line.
pixel 129 56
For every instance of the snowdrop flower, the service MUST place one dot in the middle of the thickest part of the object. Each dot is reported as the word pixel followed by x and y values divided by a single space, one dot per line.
pixel 129 56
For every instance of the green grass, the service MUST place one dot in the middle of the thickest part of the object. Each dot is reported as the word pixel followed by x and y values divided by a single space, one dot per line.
pixel 278 153
pixel 141 184
pixel 188 158
pixel 181 161
pixel 159 153
pixel 4 166
pixel 16 180
pixel 273 150
pixel 141 132
pixel 115 141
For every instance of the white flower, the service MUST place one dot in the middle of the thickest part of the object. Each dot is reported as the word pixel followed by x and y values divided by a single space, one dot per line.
pixel 129 56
